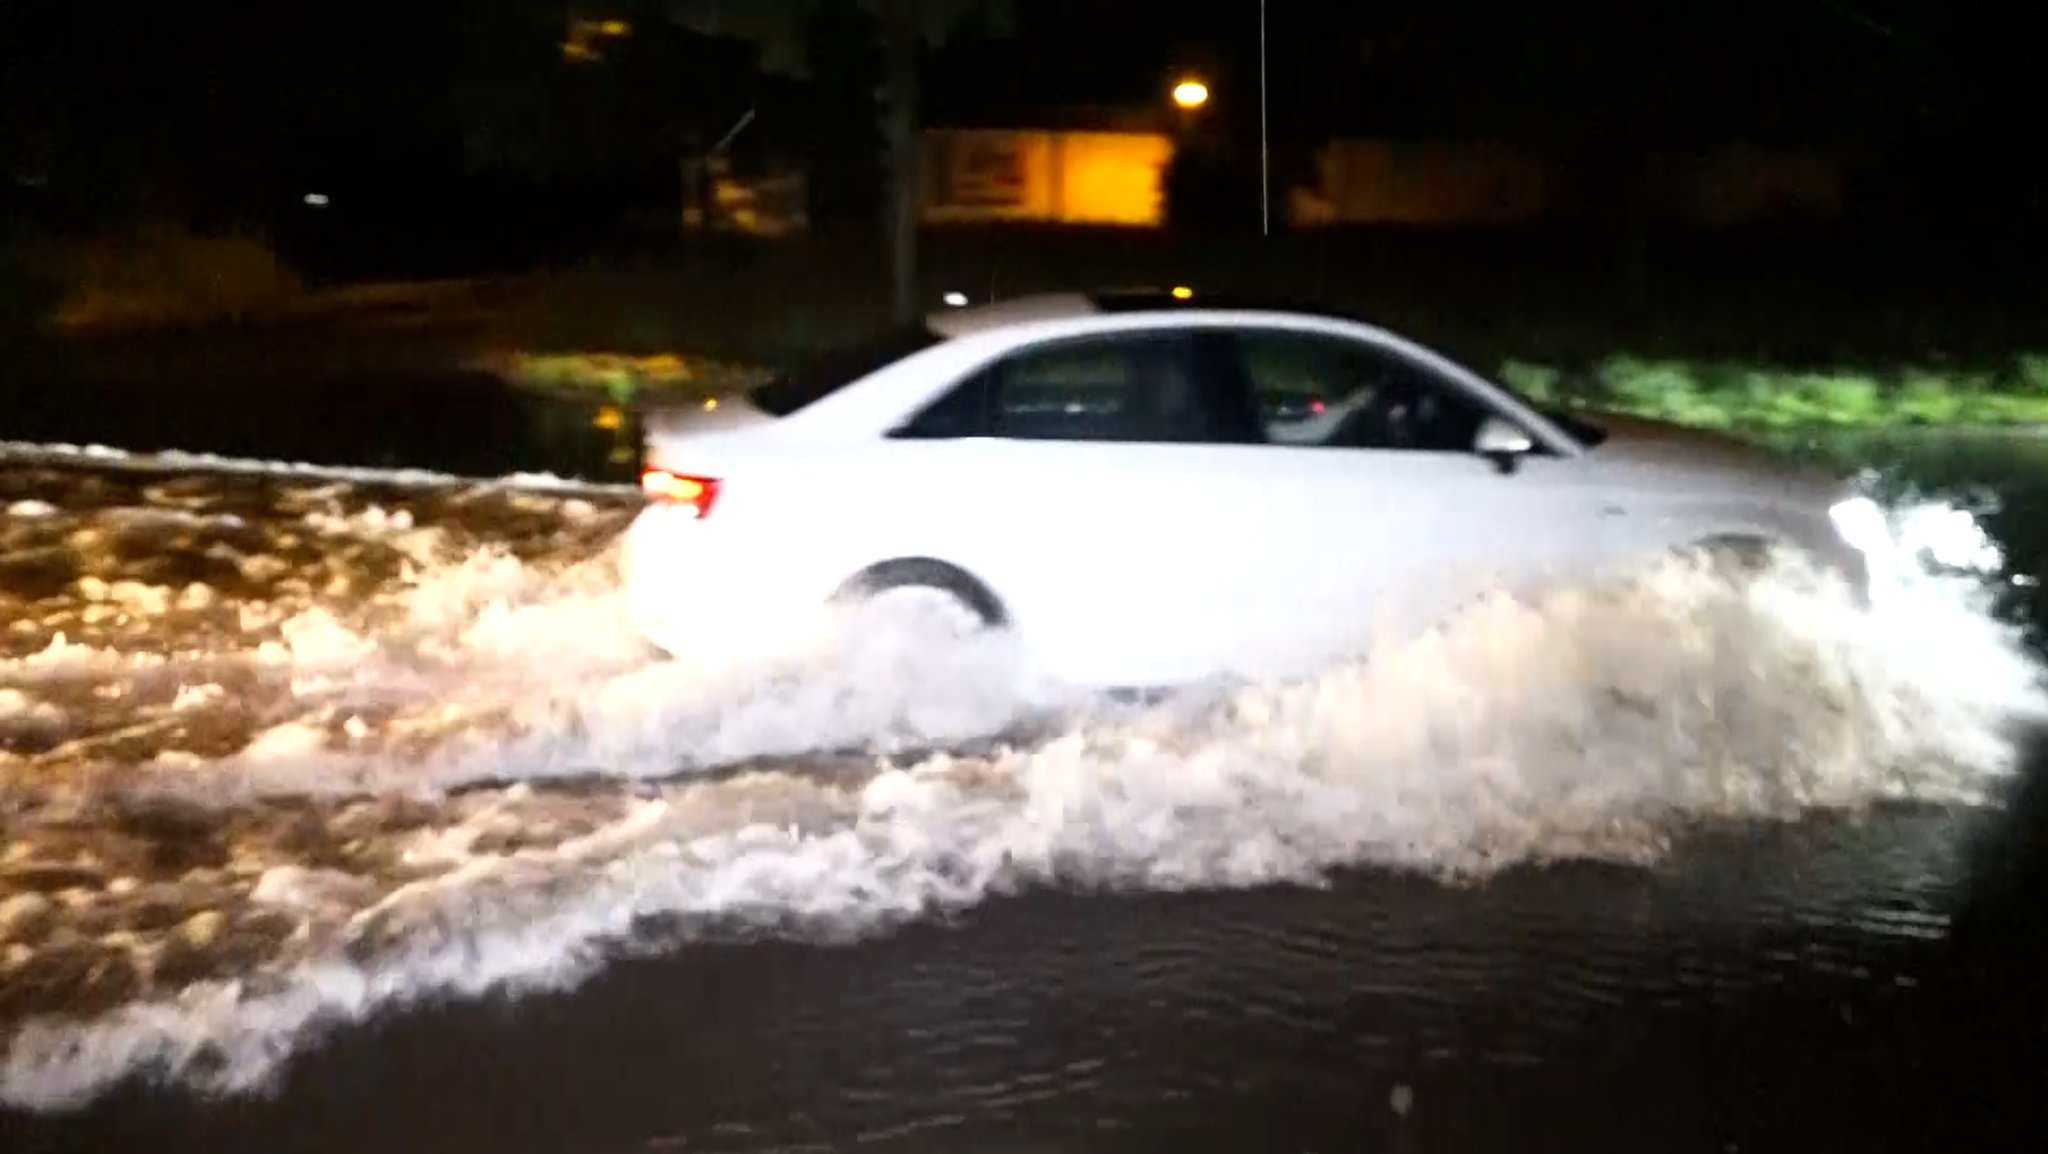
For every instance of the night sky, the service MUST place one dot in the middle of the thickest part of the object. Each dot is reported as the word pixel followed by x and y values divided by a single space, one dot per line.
pixel 1780 67
pixel 113 95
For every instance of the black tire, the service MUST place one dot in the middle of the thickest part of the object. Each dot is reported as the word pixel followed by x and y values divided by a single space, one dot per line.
pixel 925 573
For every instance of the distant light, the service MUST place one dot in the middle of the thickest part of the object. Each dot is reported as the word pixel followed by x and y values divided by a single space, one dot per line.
pixel 710 403
pixel 1191 94
pixel 1182 292
pixel 317 199
pixel 614 28
pixel 956 300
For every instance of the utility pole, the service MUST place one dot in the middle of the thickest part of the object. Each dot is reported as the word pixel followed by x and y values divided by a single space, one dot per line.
pixel 901 29
pixel 1265 214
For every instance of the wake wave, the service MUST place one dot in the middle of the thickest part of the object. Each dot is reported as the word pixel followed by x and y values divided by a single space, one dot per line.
pixel 1591 722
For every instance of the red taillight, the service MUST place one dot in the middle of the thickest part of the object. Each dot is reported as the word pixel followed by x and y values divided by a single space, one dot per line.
pixel 685 492
pixel 1315 405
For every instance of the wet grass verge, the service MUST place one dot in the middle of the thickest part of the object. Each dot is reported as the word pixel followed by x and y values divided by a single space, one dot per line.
pixel 1731 395
pixel 1756 397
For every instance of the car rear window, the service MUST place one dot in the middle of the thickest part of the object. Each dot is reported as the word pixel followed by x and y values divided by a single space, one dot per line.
pixel 814 377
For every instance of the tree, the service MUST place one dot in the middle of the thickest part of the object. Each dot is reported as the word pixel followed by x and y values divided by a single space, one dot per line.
pixel 902 133
pixel 528 106
pixel 844 55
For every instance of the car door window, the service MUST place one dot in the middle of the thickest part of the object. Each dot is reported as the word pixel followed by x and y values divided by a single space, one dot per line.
pixel 1323 390
pixel 1081 391
pixel 1134 387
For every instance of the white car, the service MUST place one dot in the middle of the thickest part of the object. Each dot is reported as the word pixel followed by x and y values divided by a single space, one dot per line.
pixel 1151 491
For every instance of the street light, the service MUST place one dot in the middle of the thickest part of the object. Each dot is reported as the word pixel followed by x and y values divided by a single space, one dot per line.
pixel 1191 94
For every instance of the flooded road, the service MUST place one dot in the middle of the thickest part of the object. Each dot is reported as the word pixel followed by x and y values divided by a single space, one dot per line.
pixel 345 812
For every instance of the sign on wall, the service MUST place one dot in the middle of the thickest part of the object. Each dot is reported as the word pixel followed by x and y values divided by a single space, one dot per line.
pixel 979 170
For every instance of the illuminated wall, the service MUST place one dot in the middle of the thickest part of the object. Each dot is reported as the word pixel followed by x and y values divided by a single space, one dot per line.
pixel 993 175
pixel 982 176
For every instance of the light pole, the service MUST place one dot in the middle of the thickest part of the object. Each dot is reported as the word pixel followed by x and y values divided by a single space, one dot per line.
pixel 1191 94
pixel 901 118
pixel 1265 215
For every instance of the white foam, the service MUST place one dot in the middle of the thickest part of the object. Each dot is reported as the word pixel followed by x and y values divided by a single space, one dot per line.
pixel 575 691
pixel 1584 724
pixel 175 459
pixel 16 706
pixel 196 697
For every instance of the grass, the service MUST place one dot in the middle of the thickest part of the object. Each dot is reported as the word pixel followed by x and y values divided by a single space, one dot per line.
pixel 165 279
pixel 1834 337
pixel 1829 340
pixel 620 378
pixel 159 277
pixel 1752 397
pixel 1720 395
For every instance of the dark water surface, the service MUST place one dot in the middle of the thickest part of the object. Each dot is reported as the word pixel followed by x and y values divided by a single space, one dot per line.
pixel 1857 983
pixel 374 399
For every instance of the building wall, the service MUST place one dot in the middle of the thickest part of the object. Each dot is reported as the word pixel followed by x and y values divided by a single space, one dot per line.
pixel 1393 182
pixel 1117 178
pixel 1742 184
pixel 997 175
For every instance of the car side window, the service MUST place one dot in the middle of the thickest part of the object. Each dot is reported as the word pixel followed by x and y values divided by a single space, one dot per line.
pixel 1132 387
pixel 1081 391
pixel 1323 390
pixel 962 412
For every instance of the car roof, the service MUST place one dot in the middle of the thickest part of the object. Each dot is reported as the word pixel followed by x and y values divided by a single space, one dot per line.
pixel 958 322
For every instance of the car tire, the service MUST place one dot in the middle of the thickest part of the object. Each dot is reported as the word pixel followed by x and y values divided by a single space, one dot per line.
pixel 924 573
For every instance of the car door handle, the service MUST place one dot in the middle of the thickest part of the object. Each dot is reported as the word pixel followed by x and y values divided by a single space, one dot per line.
pixel 1613 511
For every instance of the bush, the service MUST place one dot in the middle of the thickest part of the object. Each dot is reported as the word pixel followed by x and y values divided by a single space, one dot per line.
pixel 621 378
pixel 162 276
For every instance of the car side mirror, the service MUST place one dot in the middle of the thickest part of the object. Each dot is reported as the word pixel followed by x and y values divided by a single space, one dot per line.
pixel 1503 442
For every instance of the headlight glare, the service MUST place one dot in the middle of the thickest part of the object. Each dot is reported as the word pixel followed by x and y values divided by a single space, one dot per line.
pixel 1861 523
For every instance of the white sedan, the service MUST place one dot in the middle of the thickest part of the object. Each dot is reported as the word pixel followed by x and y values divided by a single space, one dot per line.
pixel 1150 491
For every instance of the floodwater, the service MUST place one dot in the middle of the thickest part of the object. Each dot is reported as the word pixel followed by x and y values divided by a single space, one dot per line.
pixel 343 812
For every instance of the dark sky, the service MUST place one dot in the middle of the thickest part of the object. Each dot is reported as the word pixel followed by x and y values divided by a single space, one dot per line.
pixel 138 75
pixel 777 24
pixel 1479 67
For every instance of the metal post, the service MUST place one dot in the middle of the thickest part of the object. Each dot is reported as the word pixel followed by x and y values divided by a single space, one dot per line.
pixel 901 31
pixel 1265 213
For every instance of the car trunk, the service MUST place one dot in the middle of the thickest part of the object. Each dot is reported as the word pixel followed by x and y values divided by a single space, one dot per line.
pixel 717 414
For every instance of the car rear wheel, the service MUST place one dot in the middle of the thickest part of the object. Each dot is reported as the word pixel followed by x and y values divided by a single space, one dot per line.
pixel 935 636
pixel 914 580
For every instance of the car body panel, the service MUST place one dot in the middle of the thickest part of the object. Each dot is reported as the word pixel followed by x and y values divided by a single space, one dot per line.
pixel 1138 564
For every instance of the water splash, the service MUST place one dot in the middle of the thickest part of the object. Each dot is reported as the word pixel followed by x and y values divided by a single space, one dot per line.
pixel 1589 722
